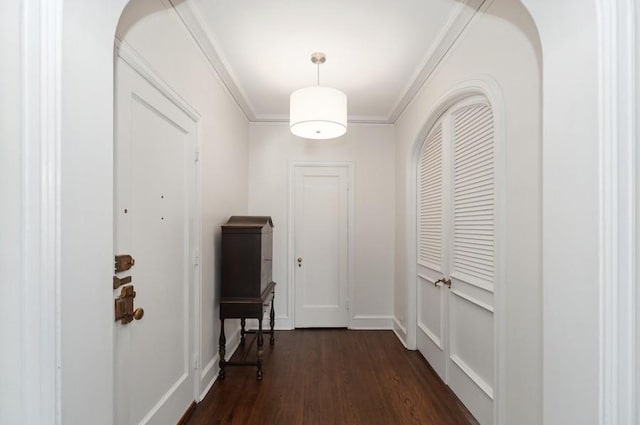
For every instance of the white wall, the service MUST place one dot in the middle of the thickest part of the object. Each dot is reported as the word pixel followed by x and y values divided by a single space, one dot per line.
pixel 10 213
pixel 156 32
pixel 371 149
pixel 571 188
pixel 502 45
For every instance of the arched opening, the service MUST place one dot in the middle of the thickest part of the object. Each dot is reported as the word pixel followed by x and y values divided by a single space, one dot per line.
pixel 512 86
pixel 174 120
pixel 85 119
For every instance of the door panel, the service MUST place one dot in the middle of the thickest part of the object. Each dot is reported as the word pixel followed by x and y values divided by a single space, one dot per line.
pixel 154 221
pixel 321 246
pixel 431 322
pixel 431 337
pixel 471 330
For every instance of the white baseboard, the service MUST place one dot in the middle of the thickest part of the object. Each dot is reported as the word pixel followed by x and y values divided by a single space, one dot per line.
pixel 210 372
pixel 371 322
pixel 284 324
pixel 400 331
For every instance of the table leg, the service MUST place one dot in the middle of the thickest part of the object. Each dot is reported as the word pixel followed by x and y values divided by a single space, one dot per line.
pixel 260 349
pixel 243 322
pixel 222 350
pixel 272 319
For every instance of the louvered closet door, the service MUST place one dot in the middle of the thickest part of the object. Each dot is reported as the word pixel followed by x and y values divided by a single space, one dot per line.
pixel 471 260
pixel 456 242
pixel 431 315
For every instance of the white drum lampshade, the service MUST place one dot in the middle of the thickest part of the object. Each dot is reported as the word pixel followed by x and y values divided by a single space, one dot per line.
pixel 318 113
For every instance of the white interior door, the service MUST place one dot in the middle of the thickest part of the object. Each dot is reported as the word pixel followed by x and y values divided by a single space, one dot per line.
pixel 321 255
pixel 456 253
pixel 155 181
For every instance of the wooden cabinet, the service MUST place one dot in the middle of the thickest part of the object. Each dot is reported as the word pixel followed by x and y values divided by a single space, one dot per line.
pixel 246 256
pixel 246 280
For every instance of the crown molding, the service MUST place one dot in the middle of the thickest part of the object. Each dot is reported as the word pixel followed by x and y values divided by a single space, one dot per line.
pixel 457 22
pixel 196 25
pixel 453 28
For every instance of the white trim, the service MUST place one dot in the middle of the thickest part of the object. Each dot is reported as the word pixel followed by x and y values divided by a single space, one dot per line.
pixel 475 378
pixel 139 64
pixel 349 165
pixel 457 22
pixel 41 228
pixel 400 331
pixel 283 323
pixel 617 227
pixel 196 25
pixel 474 281
pixel 373 322
pixel 196 350
pixel 436 341
pixel 472 300
pixel 486 86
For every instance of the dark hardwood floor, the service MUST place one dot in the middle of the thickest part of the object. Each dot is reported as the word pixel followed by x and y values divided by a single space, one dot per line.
pixel 324 377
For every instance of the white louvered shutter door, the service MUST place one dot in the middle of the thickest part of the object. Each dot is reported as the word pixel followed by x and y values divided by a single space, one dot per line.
pixel 473 196
pixel 430 201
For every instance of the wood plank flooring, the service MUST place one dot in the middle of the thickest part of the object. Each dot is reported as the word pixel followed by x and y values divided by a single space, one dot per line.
pixel 324 377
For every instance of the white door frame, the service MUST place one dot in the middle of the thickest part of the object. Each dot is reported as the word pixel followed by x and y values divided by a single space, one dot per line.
pixel 349 165
pixel 618 208
pixel 125 52
pixel 487 87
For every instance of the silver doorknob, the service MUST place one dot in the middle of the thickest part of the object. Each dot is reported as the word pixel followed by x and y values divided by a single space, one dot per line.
pixel 299 261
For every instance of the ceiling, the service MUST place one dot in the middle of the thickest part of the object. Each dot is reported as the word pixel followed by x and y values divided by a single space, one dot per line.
pixel 379 52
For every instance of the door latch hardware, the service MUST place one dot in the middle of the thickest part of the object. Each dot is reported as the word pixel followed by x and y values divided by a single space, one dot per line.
pixel 443 281
pixel 123 263
pixel 118 282
pixel 124 306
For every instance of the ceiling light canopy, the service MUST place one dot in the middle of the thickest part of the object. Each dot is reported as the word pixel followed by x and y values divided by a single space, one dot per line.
pixel 318 112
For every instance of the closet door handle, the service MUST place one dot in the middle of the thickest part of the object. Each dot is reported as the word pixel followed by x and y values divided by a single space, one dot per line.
pixel 443 281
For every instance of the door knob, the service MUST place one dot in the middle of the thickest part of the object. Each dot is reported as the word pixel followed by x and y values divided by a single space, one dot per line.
pixel 138 313
pixel 299 261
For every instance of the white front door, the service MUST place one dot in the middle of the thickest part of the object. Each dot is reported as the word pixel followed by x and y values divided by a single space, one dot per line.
pixel 155 181
pixel 456 253
pixel 321 254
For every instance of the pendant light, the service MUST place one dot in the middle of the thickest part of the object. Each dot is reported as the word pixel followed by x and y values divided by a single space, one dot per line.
pixel 318 112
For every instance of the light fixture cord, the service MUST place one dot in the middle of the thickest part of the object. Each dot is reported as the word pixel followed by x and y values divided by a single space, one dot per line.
pixel 318 74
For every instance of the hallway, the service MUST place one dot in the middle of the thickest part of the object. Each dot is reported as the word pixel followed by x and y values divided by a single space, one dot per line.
pixel 332 377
